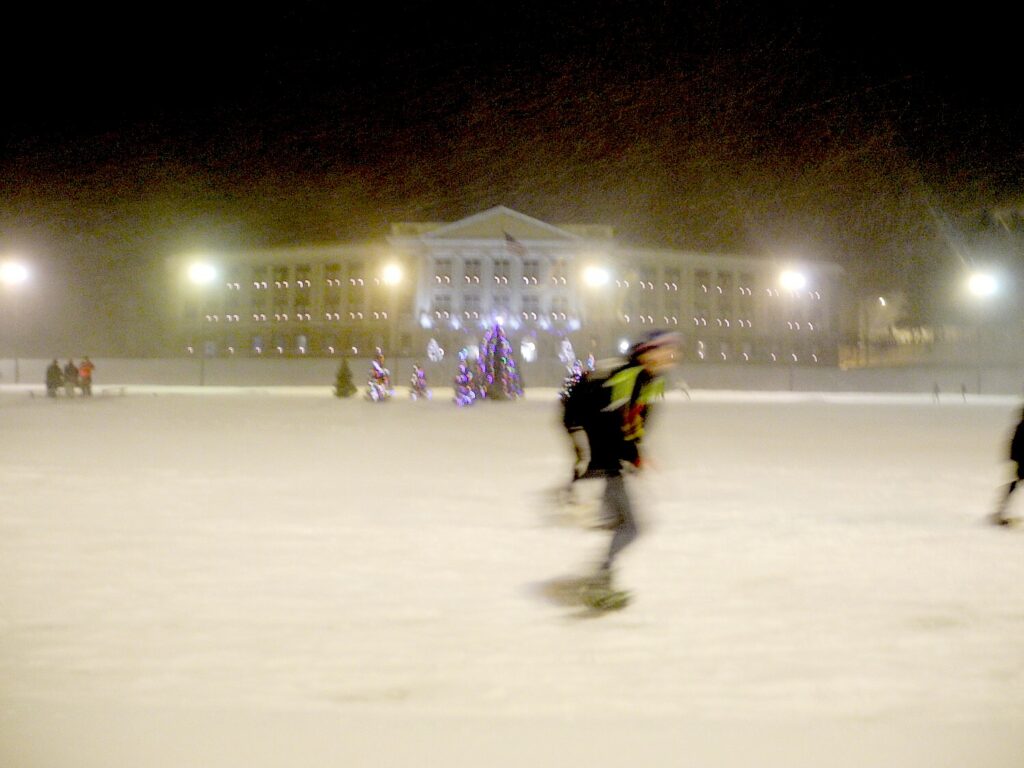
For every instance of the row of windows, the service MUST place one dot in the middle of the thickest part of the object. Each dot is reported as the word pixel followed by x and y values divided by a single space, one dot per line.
pixel 302 344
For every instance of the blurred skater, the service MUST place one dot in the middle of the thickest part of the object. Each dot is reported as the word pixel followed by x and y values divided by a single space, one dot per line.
pixel 606 418
pixel 85 376
pixel 54 379
pixel 70 378
pixel 999 517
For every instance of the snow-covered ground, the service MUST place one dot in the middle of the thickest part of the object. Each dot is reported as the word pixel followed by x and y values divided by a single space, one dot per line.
pixel 204 577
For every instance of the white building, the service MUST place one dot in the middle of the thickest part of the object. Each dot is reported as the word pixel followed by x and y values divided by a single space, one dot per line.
pixel 542 282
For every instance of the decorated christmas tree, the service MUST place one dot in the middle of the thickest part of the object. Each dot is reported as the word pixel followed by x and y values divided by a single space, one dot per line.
pixel 465 392
pixel 498 368
pixel 571 380
pixel 379 383
pixel 418 384
pixel 343 386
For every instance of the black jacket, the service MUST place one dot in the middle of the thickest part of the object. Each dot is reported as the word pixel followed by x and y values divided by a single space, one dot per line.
pixel 1017 444
pixel 611 416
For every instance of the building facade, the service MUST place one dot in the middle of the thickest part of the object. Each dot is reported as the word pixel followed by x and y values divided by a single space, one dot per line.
pixel 544 283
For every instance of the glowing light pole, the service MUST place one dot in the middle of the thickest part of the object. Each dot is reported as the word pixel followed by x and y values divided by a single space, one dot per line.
pixel 202 274
pixel 596 279
pixel 392 275
pixel 983 286
pixel 13 275
pixel 792 280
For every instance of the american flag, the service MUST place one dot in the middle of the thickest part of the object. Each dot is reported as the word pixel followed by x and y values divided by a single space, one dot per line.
pixel 514 245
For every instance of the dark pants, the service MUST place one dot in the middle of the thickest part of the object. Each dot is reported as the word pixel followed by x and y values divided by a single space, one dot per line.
pixel 1009 491
pixel 617 510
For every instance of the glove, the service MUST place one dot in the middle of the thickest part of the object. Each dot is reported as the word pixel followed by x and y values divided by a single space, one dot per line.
pixel 582 446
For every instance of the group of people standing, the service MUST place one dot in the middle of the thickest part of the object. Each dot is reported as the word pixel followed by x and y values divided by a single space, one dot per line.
pixel 69 377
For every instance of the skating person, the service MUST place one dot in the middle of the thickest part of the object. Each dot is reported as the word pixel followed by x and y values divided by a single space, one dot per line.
pixel 54 379
pixel 70 378
pixel 85 376
pixel 999 517
pixel 606 423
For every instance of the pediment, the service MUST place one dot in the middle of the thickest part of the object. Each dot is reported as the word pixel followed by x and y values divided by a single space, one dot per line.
pixel 497 223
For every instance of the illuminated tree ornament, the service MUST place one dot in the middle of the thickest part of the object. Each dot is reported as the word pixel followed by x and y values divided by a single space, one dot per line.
pixel 465 391
pixel 434 351
pixel 379 384
pixel 566 353
pixel 498 368
pixel 571 380
pixel 418 384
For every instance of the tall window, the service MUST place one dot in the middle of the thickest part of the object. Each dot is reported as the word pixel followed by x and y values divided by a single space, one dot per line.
pixel 531 272
pixel 558 270
pixel 701 297
pixel 559 308
pixel 472 272
pixel 501 271
pixel 443 272
pixel 442 306
pixel 303 286
pixel 471 306
pixel 531 307
pixel 332 290
pixel 724 294
pixel 502 304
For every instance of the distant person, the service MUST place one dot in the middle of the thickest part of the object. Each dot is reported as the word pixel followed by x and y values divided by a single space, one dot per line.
pixel 54 379
pixel 85 376
pixel 963 392
pixel 935 391
pixel 70 378
pixel 999 517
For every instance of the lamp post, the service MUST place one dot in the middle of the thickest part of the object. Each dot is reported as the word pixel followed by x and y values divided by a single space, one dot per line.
pixel 14 274
pixel 595 280
pixel 792 280
pixel 982 286
pixel 391 276
pixel 202 274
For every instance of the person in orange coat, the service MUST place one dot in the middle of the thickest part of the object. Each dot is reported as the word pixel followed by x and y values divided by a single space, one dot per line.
pixel 85 376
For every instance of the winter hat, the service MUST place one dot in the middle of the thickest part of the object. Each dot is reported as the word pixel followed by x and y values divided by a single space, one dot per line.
pixel 653 340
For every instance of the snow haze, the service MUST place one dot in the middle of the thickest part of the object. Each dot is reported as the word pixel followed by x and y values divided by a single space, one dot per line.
pixel 229 577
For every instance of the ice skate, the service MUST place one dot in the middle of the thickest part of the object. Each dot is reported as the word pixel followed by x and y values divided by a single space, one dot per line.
pixel 598 594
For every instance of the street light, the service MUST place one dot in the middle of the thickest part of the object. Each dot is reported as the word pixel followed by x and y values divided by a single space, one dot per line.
pixel 202 274
pixel 982 284
pixel 391 274
pixel 595 277
pixel 14 274
pixel 792 280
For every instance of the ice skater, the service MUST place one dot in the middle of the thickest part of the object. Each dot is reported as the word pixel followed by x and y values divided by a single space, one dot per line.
pixel 54 379
pixel 999 517
pixel 606 420
pixel 70 378
pixel 85 371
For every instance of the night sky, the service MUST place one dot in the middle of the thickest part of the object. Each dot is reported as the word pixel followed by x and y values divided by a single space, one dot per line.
pixel 849 132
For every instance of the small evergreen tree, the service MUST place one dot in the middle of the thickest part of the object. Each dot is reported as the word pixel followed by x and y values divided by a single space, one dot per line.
pixel 465 392
pixel 498 367
pixel 418 389
pixel 343 386
pixel 571 380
